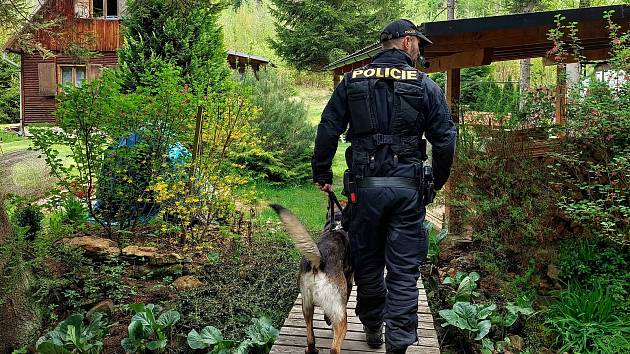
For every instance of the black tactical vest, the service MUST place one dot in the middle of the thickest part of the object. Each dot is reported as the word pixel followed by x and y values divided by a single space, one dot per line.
pixel 386 119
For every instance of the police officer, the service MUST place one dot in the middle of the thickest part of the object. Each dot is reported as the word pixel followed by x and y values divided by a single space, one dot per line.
pixel 388 106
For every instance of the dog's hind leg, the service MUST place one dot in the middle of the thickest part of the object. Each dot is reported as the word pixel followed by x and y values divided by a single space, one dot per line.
pixel 339 334
pixel 307 311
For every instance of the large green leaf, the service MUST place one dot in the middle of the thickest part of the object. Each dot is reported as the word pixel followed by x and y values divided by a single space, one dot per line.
pixel 208 337
pixel 484 329
pixel 74 320
pixel 450 316
pixel 51 348
pixel 262 331
pixel 483 311
pixel 168 318
pixel 157 344
pixel 139 329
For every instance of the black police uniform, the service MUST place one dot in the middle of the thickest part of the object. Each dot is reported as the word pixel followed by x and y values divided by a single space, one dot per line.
pixel 388 106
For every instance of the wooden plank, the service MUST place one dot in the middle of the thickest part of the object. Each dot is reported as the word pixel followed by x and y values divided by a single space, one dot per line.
pixel 292 338
pixel 356 336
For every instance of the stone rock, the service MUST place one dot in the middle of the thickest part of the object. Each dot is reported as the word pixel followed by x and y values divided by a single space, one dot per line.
pixel 152 255
pixel 516 342
pixel 140 251
pixel 97 246
pixel 553 272
pixel 105 306
pixel 187 282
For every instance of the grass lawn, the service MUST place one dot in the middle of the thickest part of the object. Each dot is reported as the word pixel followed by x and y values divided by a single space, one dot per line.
pixel 315 99
pixel 10 142
pixel 305 201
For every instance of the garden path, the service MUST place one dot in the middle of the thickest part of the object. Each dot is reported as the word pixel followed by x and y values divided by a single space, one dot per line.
pixel 292 338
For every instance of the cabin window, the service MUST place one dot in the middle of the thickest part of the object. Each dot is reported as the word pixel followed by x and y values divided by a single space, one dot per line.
pixel 105 8
pixel 71 75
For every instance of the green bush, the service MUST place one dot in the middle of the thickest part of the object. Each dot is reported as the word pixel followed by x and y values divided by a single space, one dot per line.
pixel 584 320
pixel 30 216
pixel 285 133
pixel 501 200
pixel 593 162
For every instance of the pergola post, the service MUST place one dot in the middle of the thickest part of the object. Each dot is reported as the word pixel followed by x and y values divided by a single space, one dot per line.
pixel 561 93
pixel 453 87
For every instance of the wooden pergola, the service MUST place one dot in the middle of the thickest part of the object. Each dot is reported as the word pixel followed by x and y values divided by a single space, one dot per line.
pixel 480 41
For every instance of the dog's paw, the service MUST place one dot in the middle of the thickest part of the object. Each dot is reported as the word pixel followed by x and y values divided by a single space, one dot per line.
pixel 311 350
pixel 328 321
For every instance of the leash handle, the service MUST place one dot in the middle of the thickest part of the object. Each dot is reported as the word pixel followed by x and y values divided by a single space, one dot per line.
pixel 332 202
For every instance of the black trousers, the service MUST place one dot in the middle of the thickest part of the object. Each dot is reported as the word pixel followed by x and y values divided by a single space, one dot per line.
pixel 386 231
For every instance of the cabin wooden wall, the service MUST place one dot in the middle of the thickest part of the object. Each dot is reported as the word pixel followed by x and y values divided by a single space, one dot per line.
pixel 97 34
pixel 38 107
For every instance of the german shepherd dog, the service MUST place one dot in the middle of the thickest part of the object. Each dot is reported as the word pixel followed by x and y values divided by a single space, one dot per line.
pixel 325 278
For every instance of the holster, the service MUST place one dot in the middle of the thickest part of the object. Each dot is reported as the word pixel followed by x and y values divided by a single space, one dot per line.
pixel 349 186
pixel 428 186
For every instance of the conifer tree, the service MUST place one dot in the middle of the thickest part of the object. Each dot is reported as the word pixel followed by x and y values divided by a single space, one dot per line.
pixel 313 33
pixel 180 32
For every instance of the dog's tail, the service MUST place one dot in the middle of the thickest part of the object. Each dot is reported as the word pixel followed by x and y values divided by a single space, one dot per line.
pixel 303 240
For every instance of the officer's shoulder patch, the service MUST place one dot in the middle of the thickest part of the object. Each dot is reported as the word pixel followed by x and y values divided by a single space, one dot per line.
pixel 393 73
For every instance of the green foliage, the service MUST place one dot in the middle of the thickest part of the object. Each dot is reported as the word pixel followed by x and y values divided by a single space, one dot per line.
pixel 261 335
pixel 435 239
pixel 75 335
pixel 464 287
pixel 476 320
pixel 250 281
pixel 585 321
pixel 503 199
pixel 147 330
pixel 593 161
pixel 99 113
pixel 74 210
pixel 185 34
pixel 590 262
pixel 313 33
pixel 282 125
pixel 9 93
pixel 472 319
pixel 29 216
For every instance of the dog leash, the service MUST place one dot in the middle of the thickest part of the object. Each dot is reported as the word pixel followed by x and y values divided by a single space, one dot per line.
pixel 332 202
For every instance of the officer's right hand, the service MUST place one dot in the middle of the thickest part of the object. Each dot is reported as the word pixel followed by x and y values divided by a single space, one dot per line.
pixel 325 187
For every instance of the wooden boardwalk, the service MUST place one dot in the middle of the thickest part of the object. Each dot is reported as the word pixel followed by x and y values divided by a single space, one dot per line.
pixel 292 338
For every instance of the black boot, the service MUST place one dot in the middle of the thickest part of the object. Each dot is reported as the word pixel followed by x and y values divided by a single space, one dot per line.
pixel 391 350
pixel 374 337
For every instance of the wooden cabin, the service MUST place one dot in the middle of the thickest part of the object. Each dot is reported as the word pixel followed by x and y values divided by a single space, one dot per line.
pixel 90 24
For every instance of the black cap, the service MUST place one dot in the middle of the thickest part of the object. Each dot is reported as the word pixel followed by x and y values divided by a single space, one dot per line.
pixel 401 28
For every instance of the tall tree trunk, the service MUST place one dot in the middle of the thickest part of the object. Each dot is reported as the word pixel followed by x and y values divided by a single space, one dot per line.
pixel 525 77
pixel 450 9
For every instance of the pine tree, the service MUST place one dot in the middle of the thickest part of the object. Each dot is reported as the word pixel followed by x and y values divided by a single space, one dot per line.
pixel 180 32
pixel 313 33
pixel 9 94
